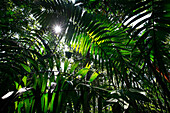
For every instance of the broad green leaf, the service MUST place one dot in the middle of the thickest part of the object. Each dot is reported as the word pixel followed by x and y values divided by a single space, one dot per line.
pixel 24 79
pixel 27 105
pixel 125 52
pixel 20 105
pixel 46 103
pixel 59 101
pixel 42 102
pixel 19 87
pixel 16 84
pixel 92 0
pixel 51 104
pixel 83 72
pixel 44 83
pixel 66 63
pixel 93 76
pixel 27 68
pixel 32 101
pixel 88 66
pixel 73 67
pixel 16 105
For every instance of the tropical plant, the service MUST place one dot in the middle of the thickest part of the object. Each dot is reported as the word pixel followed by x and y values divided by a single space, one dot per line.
pixel 123 45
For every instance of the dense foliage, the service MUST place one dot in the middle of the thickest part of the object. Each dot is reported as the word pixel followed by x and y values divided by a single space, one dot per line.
pixel 118 59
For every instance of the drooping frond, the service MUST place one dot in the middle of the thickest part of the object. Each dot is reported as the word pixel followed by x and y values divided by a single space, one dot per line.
pixel 125 42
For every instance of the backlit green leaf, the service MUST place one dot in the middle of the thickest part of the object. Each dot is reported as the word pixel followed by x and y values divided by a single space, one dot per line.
pixel 27 68
pixel 24 79
pixel 93 77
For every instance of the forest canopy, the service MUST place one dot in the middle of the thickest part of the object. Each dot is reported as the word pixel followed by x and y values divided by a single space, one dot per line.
pixel 84 56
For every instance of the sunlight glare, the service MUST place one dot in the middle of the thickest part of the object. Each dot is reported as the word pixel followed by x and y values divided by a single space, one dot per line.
pixel 8 95
pixel 73 1
pixel 57 29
